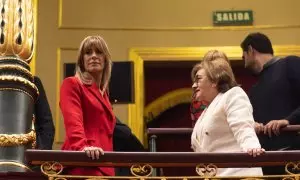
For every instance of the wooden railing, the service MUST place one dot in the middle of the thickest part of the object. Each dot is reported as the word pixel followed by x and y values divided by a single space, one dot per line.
pixel 188 131
pixel 154 133
pixel 162 159
pixel 143 163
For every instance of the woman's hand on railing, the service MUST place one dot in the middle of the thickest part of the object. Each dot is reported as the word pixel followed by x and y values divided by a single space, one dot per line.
pixel 93 152
pixel 255 151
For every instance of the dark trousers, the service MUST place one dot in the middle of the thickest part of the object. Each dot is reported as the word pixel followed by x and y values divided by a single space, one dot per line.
pixel 278 170
pixel 274 170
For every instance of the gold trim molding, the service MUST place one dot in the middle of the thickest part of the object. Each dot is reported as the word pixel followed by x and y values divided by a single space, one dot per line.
pixel 15 164
pixel 187 28
pixel 19 79
pixel 59 79
pixel 58 82
pixel 19 90
pixel 18 68
pixel 53 170
pixel 167 101
pixel 176 54
pixel 35 16
pixel 195 28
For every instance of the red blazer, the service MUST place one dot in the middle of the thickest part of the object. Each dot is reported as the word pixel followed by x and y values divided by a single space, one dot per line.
pixel 88 119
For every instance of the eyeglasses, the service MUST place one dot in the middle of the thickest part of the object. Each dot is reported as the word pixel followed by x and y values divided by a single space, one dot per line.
pixel 197 80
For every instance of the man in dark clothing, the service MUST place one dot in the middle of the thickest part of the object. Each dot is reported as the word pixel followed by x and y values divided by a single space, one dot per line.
pixel 275 97
pixel 125 140
pixel 43 124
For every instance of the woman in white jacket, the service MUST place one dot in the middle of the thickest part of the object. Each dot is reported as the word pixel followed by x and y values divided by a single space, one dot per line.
pixel 227 124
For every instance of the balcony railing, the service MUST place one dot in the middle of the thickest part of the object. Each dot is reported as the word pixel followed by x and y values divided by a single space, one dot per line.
pixel 188 131
pixel 142 163
pixel 154 133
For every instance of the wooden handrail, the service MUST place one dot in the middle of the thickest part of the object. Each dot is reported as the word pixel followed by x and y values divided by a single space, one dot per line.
pixel 171 131
pixel 162 159
pixel 188 131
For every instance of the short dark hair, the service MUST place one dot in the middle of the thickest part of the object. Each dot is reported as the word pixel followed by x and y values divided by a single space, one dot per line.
pixel 258 41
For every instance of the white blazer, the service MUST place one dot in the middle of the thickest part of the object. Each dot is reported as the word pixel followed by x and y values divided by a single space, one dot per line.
pixel 227 125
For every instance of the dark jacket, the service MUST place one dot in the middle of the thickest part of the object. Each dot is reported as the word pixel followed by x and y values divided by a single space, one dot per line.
pixel 124 140
pixel 276 96
pixel 44 127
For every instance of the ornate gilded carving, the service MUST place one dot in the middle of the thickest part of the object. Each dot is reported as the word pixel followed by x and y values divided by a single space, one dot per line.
pixel 141 170
pixel 3 58
pixel 16 29
pixel 16 80
pixel 206 171
pixel 3 163
pixel 17 73
pixel 292 168
pixel 17 68
pixel 51 168
pixel 19 79
pixel 33 145
pixel 290 178
pixel 17 139
pixel 14 89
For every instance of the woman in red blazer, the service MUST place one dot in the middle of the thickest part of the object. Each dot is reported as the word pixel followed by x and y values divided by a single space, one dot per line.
pixel 88 116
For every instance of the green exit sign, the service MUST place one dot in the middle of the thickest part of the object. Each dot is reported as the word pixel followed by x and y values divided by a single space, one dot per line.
pixel 233 18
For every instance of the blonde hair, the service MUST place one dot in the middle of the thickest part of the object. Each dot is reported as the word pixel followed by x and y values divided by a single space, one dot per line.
pixel 215 54
pixel 99 44
pixel 218 71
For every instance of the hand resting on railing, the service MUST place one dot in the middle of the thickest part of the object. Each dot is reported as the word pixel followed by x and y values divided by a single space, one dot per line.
pixel 188 131
pixel 93 152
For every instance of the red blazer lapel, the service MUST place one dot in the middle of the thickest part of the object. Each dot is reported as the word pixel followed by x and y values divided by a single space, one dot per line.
pixel 103 99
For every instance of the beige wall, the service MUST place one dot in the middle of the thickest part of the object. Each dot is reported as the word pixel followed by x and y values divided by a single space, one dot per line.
pixel 125 24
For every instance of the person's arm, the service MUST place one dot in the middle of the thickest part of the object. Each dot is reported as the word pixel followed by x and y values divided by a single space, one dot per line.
pixel 70 104
pixel 293 70
pixel 44 126
pixel 240 119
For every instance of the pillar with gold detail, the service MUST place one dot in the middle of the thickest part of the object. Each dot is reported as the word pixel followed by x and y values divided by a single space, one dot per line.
pixel 18 92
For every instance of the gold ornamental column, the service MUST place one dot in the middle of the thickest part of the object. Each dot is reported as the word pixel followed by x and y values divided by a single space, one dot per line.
pixel 17 89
